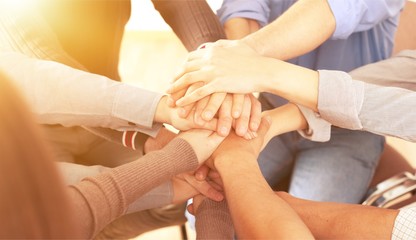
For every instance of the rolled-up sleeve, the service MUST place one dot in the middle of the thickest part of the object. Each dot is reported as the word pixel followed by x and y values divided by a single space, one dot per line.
pixel 361 15
pixel 357 105
pixel 252 9
pixel 319 130
pixel 340 99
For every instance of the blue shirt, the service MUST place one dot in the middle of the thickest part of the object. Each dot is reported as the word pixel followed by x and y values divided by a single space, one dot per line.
pixel 364 30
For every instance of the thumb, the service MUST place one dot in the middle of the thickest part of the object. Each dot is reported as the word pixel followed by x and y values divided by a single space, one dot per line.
pixel 265 124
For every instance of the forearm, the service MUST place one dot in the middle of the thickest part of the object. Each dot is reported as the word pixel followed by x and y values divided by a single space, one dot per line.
pixel 296 31
pixel 251 194
pixel 285 119
pixel 343 221
pixel 237 28
pixel 101 199
pixel 294 83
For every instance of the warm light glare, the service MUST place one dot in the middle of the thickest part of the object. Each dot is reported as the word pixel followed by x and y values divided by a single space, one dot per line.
pixel 145 17
pixel 17 4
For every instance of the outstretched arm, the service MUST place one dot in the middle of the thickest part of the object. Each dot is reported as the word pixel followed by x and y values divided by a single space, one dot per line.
pixel 251 201
pixel 343 221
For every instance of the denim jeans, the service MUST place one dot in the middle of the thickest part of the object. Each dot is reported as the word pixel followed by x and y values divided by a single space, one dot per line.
pixel 339 170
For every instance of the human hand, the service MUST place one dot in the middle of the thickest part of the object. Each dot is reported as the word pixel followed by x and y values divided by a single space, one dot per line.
pixel 206 172
pixel 234 145
pixel 186 186
pixel 242 112
pixel 232 69
pixel 203 142
pixel 196 202
pixel 172 115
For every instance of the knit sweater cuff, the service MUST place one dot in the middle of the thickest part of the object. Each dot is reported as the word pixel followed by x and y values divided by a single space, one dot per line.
pixel 213 220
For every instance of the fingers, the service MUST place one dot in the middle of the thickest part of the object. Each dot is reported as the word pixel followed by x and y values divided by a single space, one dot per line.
pixel 255 116
pixel 243 120
pixel 186 110
pixel 186 79
pixel 196 95
pixel 190 209
pixel 238 103
pixel 214 104
pixel 199 108
pixel 175 96
pixel 202 172
pixel 264 126
pixel 224 117
pixel 204 188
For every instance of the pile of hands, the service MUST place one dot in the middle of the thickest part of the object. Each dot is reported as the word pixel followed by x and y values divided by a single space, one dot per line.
pixel 211 103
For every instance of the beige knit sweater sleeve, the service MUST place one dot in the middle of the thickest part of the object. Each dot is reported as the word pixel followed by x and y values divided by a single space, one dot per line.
pixel 213 220
pixel 101 199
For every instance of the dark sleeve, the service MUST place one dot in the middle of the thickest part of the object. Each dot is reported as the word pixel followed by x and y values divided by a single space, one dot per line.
pixel 213 220
pixel 193 21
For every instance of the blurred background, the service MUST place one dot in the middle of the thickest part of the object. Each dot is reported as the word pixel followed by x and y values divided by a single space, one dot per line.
pixel 151 53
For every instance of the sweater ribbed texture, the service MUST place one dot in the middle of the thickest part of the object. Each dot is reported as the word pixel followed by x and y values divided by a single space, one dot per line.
pixel 213 220
pixel 101 199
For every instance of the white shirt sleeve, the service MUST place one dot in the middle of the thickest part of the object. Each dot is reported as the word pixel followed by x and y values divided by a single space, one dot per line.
pixel 385 108
pixel 59 94
pixel 319 130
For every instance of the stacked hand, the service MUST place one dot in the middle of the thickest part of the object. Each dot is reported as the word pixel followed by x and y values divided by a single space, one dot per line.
pixel 225 66
pixel 232 147
pixel 219 80
pixel 186 185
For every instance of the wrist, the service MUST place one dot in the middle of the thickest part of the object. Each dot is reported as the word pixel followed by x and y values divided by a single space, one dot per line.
pixel 228 160
pixel 286 118
pixel 296 84
pixel 162 114
pixel 250 41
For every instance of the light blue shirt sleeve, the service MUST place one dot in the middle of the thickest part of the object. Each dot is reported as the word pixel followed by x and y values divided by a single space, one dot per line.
pixel 361 15
pixel 258 10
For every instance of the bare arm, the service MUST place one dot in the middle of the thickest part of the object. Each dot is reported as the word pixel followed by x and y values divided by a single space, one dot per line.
pixel 302 28
pixel 343 221
pixel 237 28
pixel 256 211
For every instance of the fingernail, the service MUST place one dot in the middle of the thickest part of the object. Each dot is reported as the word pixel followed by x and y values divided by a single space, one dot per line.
pixel 236 114
pixel 223 131
pixel 208 115
pixel 199 176
pixel 219 197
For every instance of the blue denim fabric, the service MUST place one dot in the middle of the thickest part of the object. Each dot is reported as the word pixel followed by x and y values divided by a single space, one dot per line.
pixel 339 170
